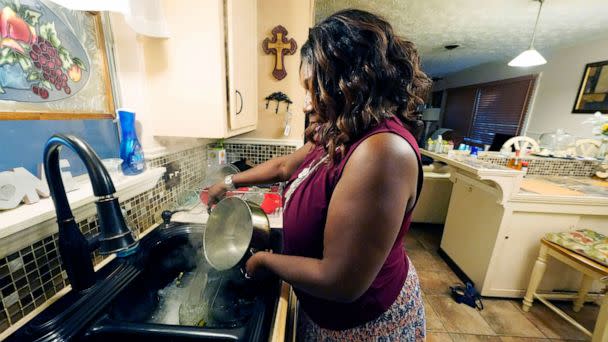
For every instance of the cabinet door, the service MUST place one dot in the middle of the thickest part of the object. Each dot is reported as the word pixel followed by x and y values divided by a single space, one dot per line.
pixel 184 84
pixel 242 44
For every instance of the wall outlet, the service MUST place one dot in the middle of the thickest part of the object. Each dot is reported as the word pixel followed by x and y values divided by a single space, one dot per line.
pixel 173 175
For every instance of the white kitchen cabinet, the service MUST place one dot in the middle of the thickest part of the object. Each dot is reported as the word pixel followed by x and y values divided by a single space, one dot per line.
pixel 242 63
pixel 496 245
pixel 202 82
pixel 470 230
pixel 493 228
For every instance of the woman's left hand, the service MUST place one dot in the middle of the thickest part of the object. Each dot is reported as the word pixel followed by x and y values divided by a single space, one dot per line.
pixel 255 265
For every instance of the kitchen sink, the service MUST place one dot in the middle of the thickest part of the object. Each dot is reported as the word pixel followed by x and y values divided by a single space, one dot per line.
pixel 134 298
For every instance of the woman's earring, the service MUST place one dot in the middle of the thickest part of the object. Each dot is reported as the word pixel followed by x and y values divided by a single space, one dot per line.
pixel 307 99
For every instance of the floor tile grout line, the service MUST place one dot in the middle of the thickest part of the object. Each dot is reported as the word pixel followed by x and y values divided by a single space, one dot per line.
pixel 529 320
pixel 424 247
pixel 505 335
pixel 417 239
pixel 488 323
pixel 461 333
pixel 436 315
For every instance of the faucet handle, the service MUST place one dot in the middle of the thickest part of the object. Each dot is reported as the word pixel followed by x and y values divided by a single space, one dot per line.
pixel 167 214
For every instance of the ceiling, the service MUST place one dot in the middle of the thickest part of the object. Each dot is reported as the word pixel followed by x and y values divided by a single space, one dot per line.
pixel 487 30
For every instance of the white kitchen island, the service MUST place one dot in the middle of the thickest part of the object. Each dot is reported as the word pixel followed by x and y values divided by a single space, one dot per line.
pixel 493 225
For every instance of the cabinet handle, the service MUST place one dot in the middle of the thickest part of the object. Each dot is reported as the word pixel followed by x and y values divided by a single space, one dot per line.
pixel 241 107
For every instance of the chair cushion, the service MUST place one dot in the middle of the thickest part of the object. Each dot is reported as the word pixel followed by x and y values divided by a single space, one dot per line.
pixel 588 243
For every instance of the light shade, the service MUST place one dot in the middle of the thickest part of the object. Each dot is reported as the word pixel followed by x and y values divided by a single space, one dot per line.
pixel 528 58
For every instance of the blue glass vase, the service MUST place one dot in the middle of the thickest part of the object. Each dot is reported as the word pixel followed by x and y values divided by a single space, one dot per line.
pixel 131 152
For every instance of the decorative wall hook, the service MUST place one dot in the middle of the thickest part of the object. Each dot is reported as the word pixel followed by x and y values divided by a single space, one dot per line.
pixel 278 96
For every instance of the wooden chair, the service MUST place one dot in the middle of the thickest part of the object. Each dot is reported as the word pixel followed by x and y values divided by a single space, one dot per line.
pixel 591 271
pixel 587 147
pixel 521 143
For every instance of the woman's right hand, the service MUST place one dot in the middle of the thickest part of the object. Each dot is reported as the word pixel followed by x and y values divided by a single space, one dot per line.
pixel 216 193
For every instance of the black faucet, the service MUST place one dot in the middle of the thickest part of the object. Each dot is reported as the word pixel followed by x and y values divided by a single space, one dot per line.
pixel 114 235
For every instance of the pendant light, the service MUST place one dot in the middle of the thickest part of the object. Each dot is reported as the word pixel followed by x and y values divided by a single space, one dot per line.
pixel 530 57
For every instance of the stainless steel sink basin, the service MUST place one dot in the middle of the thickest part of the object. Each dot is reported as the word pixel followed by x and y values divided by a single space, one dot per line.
pixel 125 300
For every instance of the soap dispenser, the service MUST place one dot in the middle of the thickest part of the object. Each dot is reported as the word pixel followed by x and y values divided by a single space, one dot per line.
pixel 130 149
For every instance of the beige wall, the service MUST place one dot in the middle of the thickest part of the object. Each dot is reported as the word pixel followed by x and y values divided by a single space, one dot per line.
pixel 556 91
pixel 296 16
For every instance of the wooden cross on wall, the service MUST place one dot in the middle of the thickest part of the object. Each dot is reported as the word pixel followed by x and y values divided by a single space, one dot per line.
pixel 279 46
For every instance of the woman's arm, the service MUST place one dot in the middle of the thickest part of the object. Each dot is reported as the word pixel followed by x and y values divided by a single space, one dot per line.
pixel 275 170
pixel 364 217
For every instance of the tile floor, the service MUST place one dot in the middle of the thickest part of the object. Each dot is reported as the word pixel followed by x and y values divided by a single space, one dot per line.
pixel 502 320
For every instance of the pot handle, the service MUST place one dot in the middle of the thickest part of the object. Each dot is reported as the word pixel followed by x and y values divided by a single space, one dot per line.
pixel 245 274
pixel 251 251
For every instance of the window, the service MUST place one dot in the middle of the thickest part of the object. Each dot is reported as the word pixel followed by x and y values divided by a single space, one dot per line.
pixel 459 108
pixel 479 111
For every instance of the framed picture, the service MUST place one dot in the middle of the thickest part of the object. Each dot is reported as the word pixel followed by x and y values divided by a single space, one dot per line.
pixel 53 63
pixel 593 91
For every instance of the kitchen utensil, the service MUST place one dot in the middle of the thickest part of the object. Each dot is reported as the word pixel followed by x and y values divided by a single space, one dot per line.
pixel 235 230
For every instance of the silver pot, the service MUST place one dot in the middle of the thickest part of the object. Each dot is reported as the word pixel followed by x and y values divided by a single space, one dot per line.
pixel 235 230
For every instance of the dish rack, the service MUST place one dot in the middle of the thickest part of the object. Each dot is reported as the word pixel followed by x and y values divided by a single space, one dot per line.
pixel 270 198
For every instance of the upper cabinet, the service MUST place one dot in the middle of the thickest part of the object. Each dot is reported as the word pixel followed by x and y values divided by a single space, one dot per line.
pixel 242 63
pixel 202 82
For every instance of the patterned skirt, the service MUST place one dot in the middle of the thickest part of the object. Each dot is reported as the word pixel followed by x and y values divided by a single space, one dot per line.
pixel 403 321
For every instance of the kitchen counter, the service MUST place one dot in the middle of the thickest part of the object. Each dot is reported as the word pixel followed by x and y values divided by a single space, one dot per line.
pixel 496 217
pixel 280 326
pixel 571 186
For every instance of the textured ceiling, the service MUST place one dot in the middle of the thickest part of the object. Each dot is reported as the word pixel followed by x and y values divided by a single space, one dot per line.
pixel 490 30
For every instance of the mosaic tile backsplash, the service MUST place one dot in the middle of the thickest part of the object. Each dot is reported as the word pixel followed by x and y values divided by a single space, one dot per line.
pixel 32 275
pixel 551 166
pixel 256 153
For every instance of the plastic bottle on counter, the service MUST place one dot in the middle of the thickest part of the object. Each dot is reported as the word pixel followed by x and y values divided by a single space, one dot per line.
pixel 439 144
pixel 474 151
pixel 515 163
pixel 430 145
pixel 449 147
pixel 524 166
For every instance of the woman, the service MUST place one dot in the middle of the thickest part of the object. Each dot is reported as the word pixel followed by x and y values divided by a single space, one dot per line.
pixel 352 187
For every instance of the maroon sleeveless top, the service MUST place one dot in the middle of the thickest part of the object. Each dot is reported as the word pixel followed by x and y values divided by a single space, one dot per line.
pixel 304 219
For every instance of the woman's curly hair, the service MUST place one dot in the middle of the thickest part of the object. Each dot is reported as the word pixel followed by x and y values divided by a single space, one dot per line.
pixel 359 73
